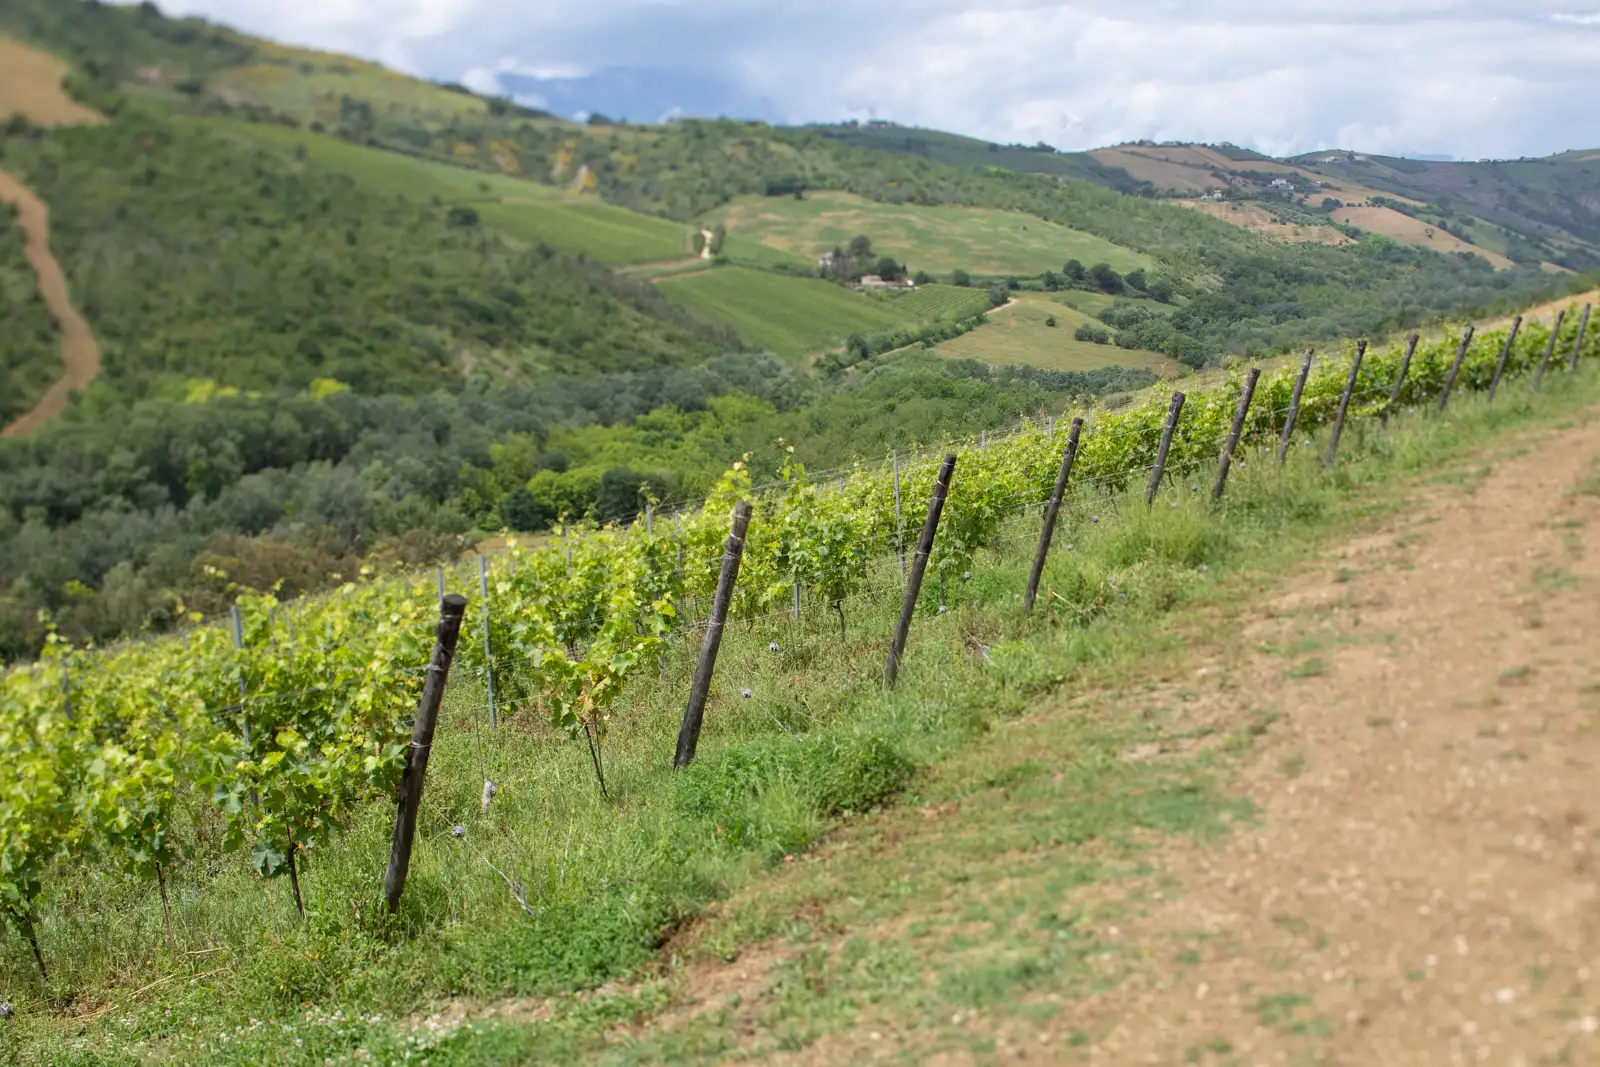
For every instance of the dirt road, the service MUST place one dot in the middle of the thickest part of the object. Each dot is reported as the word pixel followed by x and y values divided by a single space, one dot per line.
pixel 79 352
pixel 1415 728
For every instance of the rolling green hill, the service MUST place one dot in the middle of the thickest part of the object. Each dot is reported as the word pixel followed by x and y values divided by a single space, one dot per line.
pixel 939 239
pixel 524 210
pixel 797 317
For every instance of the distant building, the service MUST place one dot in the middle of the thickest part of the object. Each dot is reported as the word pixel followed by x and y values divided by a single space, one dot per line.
pixel 873 281
pixel 1282 183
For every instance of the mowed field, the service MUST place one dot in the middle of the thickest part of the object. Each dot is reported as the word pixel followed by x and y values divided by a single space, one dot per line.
pixel 935 239
pixel 524 210
pixel 1019 335
pixel 1257 219
pixel 30 85
pixel 1407 230
pixel 797 317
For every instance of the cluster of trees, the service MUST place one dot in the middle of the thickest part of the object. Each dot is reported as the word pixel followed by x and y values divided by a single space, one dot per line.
pixel 111 524
pixel 30 354
pixel 852 262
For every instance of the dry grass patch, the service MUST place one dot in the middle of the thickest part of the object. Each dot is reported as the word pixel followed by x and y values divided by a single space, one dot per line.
pixel 30 85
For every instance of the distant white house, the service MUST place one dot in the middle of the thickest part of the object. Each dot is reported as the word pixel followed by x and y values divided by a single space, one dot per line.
pixel 873 281
pixel 1282 183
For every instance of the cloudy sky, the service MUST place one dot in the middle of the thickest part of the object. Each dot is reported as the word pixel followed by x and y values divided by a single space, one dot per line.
pixel 1463 78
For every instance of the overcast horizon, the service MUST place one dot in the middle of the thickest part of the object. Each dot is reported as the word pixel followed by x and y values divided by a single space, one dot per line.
pixel 1469 79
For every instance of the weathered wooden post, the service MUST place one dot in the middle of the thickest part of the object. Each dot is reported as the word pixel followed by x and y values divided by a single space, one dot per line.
pixel 1505 354
pixel 1294 406
pixel 1344 403
pixel 1455 368
pixel 919 566
pixel 409 800
pixel 1050 512
pixel 1405 365
pixel 1239 414
pixel 899 523
pixel 1577 347
pixel 1167 430
pixel 700 687
pixel 1549 349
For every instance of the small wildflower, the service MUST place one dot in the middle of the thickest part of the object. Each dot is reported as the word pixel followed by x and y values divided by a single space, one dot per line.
pixel 458 832
pixel 746 693
pixel 1174 503
pixel 1094 518
pixel 1069 547
pixel 966 576
pixel 943 608
pixel 773 647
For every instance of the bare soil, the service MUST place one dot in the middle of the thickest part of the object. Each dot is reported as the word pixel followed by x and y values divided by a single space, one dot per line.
pixel 1417 884
pixel 80 353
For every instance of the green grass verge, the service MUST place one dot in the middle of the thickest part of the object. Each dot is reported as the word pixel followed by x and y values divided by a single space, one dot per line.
pixel 937 239
pixel 556 890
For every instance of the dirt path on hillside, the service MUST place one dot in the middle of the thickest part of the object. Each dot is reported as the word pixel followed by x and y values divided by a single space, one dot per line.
pixel 1421 887
pixel 79 352
pixel 1421 718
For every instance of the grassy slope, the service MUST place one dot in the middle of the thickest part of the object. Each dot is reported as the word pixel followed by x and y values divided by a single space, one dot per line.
pixel 971 152
pixel 750 803
pixel 936 239
pixel 197 257
pixel 1018 335
pixel 794 317
pixel 527 211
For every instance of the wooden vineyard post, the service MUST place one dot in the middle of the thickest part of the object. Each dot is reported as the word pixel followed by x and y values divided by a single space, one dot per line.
pixel 1455 368
pixel 1344 403
pixel 1167 430
pixel 1549 349
pixel 700 688
pixel 409 801
pixel 1405 365
pixel 1234 431
pixel 1577 347
pixel 1294 406
pixel 1505 354
pixel 488 645
pixel 919 566
pixel 1050 512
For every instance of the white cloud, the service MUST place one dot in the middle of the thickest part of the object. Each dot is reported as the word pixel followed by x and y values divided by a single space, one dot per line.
pixel 1468 78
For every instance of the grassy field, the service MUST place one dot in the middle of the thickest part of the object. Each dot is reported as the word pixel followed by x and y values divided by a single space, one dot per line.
pixel 935 239
pixel 1407 230
pixel 1018 335
pixel 1257 219
pixel 30 85
pixel 524 210
pixel 796 317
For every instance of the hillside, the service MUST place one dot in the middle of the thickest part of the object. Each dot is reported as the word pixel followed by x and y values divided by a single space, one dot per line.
pixel 349 318
pixel 1528 210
